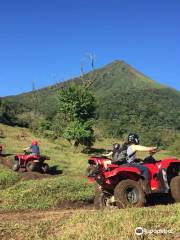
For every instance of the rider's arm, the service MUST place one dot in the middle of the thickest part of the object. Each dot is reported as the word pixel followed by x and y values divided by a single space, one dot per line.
pixel 28 148
pixel 140 148
pixel 108 154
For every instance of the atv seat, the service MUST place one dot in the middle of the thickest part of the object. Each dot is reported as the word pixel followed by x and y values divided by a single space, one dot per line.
pixel 149 159
pixel 112 165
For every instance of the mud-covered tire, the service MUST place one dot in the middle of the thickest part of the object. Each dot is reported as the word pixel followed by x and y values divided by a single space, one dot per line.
pixel 175 188
pixel 129 193
pixel 45 168
pixel 15 167
pixel 30 166
pixel 100 199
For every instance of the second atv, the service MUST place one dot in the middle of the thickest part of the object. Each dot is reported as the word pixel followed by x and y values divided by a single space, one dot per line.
pixel 123 186
pixel 30 162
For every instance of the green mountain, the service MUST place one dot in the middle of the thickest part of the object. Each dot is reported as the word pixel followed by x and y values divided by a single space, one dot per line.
pixel 127 101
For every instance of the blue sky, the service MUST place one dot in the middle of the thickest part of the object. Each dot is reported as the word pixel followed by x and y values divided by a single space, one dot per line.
pixel 45 40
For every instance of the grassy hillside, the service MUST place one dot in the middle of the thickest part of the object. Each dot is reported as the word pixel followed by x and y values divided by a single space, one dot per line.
pixel 69 185
pixel 126 100
pixel 117 75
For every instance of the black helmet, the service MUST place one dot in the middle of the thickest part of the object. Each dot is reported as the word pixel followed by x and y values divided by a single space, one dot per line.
pixel 116 146
pixel 133 138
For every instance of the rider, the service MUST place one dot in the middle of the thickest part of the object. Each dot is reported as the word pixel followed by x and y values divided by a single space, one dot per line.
pixel 133 147
pixel 34 147
pixel 115 153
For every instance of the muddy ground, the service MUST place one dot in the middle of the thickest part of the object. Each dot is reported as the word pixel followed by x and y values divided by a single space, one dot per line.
pixel 37 215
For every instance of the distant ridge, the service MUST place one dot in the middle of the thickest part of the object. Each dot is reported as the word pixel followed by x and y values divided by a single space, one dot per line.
pixel 127 100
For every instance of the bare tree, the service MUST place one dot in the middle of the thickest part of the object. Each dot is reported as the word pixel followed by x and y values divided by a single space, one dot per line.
pixel 82 67
pixel 92 58
pixel 35 100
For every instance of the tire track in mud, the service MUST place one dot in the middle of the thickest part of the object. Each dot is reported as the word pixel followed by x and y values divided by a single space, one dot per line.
pixel 6 162
pixel 41 215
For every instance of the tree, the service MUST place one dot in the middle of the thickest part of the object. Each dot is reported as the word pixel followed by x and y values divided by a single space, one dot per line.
pixel 77 109
pixel 80 132
pixel 8 111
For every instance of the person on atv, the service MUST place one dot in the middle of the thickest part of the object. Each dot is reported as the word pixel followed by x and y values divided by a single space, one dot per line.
pixel 117 154
pixel 114 153
pixel 34 148
pixel 132 148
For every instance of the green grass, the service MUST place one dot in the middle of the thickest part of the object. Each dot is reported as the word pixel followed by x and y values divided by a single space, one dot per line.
pixel 101 225
pixel 70 186
pixel 7 177
pixel 46 193
pixel 60 152
pixel 120 224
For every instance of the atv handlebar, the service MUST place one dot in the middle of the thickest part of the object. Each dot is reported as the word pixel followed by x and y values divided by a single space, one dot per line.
pixel 154 151
pixel 25 151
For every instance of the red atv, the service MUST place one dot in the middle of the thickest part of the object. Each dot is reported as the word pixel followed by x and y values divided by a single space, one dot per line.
pixel 124 186
pixel 30 162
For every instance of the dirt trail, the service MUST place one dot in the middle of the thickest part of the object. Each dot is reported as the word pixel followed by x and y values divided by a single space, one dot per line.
pixel 36 215
pixel 6 162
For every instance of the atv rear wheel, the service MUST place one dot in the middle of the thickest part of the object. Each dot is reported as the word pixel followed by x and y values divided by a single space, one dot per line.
pixel 175 188
pixel 129 193
pixel 101 199
pixel 15 166
pixel 45 168
pixel 30 166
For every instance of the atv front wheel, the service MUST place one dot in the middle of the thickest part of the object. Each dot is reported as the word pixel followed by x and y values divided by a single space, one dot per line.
pixel 15 166
pixel 45 168
pixel 30 166
pixel 129 193
pixel 101 200
pixel 175 188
